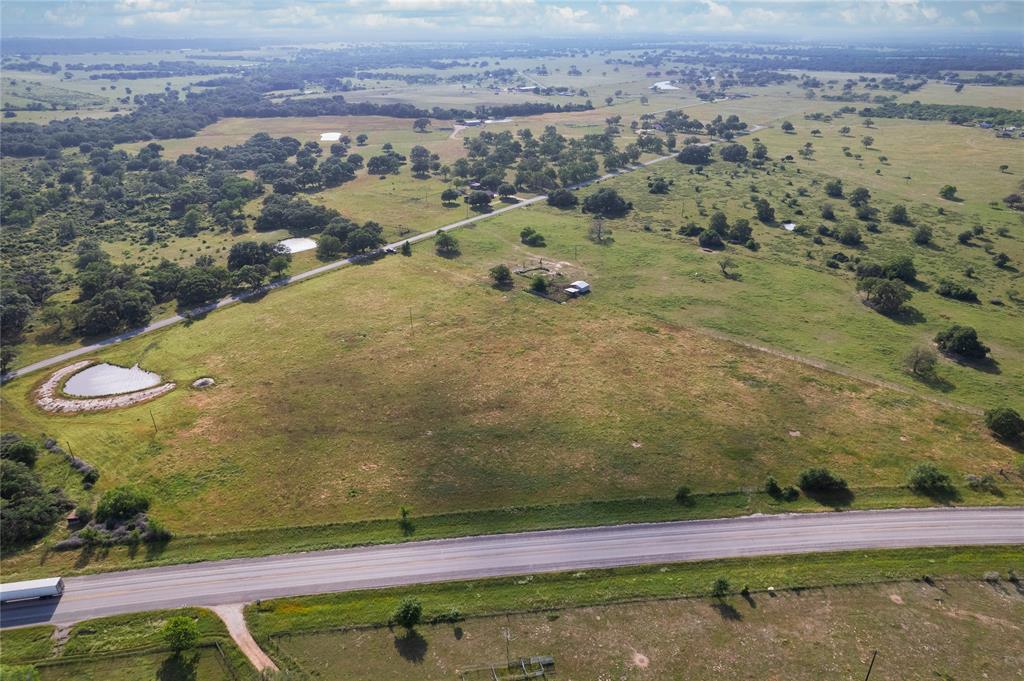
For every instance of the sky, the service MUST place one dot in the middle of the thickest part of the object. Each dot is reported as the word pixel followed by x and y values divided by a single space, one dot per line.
pixel 304 20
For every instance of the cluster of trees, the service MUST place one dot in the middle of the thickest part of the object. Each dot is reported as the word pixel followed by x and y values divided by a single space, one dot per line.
pixel 954 113
pixel 28 509
pixel 719 231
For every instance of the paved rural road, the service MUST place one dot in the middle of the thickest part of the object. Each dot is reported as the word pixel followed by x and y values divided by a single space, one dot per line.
pixel 285 281
pixel 243 580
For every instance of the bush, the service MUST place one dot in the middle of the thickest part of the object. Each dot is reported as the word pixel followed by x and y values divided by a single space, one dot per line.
pixel 734 153
pixel 328 248
pixel 822 481
pixel 951 289
pixel 694 155
pixel 927 479
pixel 772 488
pixel 828 212
pixel 961 340
pixel 900 267
pixel 539 284
pixel 409 613
pixel 982 483
pixel 121 503
pixel 562 198
pixel 709 238
pixel 1005 423
pixel 501 275
pixel 28 510
pixel 849 235
pixel 683 495
pixel 19 450
pixel 532 237
pixel 923 235
pixel 181 633
pixel 720 588
pixel 606 202
pixel 790 493
pixel 446 245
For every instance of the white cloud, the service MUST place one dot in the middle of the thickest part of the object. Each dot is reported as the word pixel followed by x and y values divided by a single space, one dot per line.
pixel 379 20
pixel 142 5
pixel 71 15
pixel 994 7
pixel 626 11
pixel 717 10
pixel 972 16
pixel 760 17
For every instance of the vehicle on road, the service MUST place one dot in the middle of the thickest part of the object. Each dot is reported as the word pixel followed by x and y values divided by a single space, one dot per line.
pixel 51 587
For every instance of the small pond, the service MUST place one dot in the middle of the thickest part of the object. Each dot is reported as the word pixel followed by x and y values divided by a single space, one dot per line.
pixel 298 244
pixel 789 226
pixel 109 379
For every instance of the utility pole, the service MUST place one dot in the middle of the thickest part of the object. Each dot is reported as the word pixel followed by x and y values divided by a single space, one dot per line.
pixel 874 654
pixel 153 419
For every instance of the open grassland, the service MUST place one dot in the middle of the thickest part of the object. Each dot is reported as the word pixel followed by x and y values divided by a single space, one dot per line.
pixel 127 647
pixel 956 629
pixel 412 381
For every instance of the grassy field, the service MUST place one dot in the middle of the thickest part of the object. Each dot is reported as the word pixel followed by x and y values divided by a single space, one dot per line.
pixel 955 630
pixel 127 647
pixel 476 390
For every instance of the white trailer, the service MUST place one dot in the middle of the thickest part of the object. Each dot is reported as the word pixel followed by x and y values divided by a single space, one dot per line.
pixel 33 588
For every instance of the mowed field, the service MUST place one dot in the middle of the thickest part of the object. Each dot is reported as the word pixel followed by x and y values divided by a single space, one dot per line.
pixel 961 630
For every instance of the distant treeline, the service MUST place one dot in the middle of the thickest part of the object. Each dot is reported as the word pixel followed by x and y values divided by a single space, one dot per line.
pixel 165 116
pixel 954 113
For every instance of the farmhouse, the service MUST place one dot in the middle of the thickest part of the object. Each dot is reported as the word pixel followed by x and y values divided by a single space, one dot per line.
pixel 472 122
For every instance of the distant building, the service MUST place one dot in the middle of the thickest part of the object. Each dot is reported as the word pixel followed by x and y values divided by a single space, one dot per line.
pixel 577 288
pixel 473 122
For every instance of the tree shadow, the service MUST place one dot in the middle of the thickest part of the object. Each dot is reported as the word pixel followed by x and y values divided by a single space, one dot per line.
pixel 727 611
pixel 942 495
pixel 411 646
pixel 179 667
pixel 907 315
pixel 837 498
pixel 934 381
pixel 503 286
pixel 986 365
pixel 509 199
pixel 749 599
pixel 156 548
pixel 458 633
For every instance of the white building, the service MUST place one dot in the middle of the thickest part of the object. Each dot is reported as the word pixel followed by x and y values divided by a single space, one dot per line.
pixel 578 288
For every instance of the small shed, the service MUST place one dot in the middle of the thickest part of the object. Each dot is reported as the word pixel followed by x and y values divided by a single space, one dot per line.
pixel 578 288
pixel 473 122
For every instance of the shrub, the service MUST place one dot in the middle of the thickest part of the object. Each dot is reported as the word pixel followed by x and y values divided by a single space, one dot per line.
pixel 927 479
pixel 694 154
pixel 446 245
pixel 606 202
pixel 921 361
pixel 501 275
pixel 720 588
pixel 539 284
pixel 28 510
pixel 19 450
pixel 951 289
pixel 181 633
pixel 328 247
pixel 923 235
pixel 532 237
pixel 828 212
pixel 822 481
pixel 772 488
pixel 734 153
pixel 961 340
pixel 409 613
pixel 849 235
pixel 121 503
pixel 683 495
pixel 790 493
pixel 900 267
pixel 1005 423
pixel 709 238
pixel 562 198
pixel 885 295
pixel 982 483
pixel 898 214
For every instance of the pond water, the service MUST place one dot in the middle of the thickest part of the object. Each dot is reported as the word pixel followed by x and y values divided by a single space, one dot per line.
pixel 789 226
pixel 298 244
pixel 109 379
pixel 330 136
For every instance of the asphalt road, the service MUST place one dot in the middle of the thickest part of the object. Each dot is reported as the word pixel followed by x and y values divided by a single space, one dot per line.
pixel 243 580
pixel 294 279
